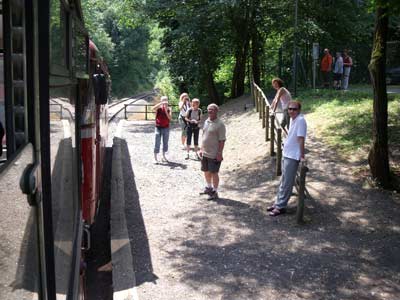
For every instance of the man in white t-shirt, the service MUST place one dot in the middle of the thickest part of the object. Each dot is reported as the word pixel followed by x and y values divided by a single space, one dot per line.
pixel 293 153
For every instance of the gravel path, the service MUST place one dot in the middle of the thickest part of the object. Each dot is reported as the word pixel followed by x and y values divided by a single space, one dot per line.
pixel 185 247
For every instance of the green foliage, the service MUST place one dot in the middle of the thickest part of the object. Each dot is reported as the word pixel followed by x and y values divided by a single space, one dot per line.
pixel 344 119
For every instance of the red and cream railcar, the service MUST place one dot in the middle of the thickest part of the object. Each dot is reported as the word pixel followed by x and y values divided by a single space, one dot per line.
pixel 94 134
pixel 53 97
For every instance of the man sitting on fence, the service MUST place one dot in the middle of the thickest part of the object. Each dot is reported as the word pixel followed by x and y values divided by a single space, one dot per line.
pixel 293 153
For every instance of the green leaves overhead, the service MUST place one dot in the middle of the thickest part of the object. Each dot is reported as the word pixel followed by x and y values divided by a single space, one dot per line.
pixel 207 47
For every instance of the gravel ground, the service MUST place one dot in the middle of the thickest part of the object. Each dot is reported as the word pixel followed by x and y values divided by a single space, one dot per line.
pixel 185 247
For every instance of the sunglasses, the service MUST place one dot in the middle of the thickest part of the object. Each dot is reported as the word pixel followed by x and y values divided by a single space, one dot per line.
pixel 293 108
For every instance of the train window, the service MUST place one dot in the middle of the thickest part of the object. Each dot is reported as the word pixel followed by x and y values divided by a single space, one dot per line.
pixel 58 38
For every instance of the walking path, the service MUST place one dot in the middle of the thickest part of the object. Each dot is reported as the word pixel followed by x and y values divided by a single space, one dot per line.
pixel 185 247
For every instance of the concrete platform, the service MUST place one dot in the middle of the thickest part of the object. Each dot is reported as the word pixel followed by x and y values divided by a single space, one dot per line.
pixel 124 282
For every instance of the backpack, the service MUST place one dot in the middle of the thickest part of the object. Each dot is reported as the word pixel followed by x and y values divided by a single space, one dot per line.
pixel 189 116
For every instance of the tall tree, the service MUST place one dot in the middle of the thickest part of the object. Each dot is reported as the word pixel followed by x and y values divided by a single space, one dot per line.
pixel 378 157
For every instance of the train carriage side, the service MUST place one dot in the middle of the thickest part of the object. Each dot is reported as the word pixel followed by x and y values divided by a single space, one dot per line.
pixel 45 80
pixel 94 134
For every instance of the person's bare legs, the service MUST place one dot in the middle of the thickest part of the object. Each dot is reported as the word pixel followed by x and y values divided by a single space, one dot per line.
pixel 208 178
pixel 215 180
pixel 183 139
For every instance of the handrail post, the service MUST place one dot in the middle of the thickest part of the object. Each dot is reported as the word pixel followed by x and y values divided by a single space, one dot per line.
pixel 279 153
pixel 271 151
pixel 257 100
pixel 126 117
pixel 260 99
pixel 263 112
pixel 252 90
pixel 301 191
pixel 266 123
pixel 145 112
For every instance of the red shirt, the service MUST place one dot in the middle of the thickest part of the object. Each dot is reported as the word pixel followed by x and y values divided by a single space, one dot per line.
pixel 162 118
pixel 326 63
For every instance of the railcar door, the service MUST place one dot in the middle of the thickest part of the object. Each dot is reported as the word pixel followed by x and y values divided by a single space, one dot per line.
pixel 41 58
pixel 21 234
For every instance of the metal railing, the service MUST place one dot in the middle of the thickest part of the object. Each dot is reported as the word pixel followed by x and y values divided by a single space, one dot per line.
pixel 274 133
pixel 145 111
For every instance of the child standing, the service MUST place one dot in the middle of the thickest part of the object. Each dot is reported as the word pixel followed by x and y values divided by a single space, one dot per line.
pixel 193 117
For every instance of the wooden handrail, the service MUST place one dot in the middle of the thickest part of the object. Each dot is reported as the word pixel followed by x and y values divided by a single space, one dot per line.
pixel 274 133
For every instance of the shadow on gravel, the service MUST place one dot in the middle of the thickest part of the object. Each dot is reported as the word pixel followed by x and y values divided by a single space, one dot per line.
pixel 249 255
pixel 141 255
pixel 100 283
pixel 174 165
pixel 348 250
pixel 250 176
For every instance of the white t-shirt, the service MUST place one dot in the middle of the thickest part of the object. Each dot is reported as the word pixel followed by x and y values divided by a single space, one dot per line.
pixel 285 98
pixel 298 128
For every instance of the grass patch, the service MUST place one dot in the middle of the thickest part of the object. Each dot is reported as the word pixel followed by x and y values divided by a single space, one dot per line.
pixel 343 120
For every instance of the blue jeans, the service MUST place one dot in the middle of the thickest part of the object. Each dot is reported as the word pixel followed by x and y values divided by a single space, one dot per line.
pixel 289 170
pixel 164 134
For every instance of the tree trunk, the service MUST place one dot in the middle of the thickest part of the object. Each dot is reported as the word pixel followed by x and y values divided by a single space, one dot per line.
pixel 211 89
pixel 239 72
pixel 256 50
pixel 378 157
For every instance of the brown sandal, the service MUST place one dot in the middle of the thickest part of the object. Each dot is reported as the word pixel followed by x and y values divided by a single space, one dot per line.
pixel 276 212
pixel 271 208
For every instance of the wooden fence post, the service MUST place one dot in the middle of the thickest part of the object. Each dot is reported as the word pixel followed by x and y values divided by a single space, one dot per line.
pixel 260 100
pixel 145 112
pixel 257 100
pixel 279 153
pixel 266 123
pixel 263 112
pixel 272 123
pixel 252 92
pixel 301 191
pixel 126 117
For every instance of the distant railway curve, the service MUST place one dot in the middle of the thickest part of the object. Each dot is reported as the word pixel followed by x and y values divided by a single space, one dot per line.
pixel 117 107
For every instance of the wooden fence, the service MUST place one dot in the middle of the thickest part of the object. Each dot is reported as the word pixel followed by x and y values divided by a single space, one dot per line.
pixel 274 133
pixel 145 111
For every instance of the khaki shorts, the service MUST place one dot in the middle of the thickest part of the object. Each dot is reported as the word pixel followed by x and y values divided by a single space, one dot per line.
pixel 210 165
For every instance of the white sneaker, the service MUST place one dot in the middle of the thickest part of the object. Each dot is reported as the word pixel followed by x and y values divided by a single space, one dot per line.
pixel 187 156
pixel 155 160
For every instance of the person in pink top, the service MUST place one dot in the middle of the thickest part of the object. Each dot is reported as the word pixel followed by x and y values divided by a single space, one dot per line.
pixel 282 99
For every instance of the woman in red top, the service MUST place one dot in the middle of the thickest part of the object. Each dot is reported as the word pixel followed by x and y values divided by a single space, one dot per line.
pixel 163 116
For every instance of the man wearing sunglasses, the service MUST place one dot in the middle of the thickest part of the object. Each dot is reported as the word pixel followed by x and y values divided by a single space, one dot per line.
pixel 293 153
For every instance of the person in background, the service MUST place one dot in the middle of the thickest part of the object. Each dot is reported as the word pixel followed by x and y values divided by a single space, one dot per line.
pixel 282 97
pixel 347 64
pixel 163 117
pixel 184 105
pixel 212 146
pixel 293 153
pixel 326 68
pixel 193 117
pixel 338 71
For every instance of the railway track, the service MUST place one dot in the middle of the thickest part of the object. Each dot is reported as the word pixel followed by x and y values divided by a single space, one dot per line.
pixel 114 109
